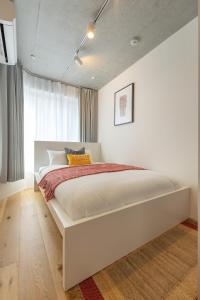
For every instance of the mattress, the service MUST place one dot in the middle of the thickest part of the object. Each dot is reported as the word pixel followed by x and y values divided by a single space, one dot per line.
pixel 95 194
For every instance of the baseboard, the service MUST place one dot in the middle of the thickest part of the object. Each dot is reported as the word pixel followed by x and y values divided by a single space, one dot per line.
pixel 191 223
pixel 8 195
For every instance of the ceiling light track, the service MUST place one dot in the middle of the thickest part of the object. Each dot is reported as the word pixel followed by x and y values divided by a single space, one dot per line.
pixel 101 11
pixel 89 34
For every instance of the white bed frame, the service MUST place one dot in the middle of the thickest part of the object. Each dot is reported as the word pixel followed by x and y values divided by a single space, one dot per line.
pixel 91 244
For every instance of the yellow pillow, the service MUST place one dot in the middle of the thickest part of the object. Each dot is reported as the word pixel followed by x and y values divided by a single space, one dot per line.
pixel 79 159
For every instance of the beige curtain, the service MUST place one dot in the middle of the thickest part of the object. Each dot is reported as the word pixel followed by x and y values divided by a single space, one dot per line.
pixel 11 123
pixel 88 115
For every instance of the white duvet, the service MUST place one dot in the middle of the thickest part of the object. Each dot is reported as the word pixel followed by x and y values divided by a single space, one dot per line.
pixel 95 194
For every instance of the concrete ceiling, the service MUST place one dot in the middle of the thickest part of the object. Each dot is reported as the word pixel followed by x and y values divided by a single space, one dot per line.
pixel 52 30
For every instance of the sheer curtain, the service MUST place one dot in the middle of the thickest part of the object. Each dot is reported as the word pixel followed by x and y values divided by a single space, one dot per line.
pixel 51 112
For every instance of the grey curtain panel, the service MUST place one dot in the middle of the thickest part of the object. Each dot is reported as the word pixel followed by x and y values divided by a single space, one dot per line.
pixel 11 123
pixel 88 115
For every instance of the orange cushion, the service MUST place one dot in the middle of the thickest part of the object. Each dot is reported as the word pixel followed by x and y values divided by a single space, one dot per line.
pixel 77 160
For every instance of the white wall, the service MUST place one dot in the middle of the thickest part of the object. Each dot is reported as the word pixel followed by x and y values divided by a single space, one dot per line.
pixel 164 136
pixel 9 189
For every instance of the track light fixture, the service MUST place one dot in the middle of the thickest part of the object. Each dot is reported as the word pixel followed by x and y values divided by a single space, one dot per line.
pixel 77 59
pixel 90 30
pixel 89 34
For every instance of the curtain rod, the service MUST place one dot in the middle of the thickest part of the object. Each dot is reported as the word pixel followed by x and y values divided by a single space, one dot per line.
pixel 55 80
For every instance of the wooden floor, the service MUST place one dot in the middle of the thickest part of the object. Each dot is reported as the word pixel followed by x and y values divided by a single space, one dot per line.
pixel 31 251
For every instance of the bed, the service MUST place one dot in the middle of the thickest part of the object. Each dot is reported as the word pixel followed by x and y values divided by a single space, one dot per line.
pixel 108 215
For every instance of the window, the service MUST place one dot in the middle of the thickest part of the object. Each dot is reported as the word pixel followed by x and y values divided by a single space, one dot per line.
pixel 51 112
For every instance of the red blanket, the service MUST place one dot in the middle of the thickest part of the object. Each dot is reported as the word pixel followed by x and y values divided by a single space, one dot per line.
pixel 53 178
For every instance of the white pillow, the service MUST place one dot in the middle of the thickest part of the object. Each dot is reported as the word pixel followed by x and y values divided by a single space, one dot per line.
pixel 57 157
pixel 87 151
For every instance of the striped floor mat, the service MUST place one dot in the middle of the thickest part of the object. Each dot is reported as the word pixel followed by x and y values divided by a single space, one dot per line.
pixel 165 268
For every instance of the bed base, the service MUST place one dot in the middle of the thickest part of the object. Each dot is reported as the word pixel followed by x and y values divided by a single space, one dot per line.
pixel 91 244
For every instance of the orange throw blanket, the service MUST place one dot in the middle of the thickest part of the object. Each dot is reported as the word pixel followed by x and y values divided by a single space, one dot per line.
pixel 53 178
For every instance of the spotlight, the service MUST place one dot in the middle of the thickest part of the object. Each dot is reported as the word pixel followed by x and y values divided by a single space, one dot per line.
pixel 77 59
pixel 90 30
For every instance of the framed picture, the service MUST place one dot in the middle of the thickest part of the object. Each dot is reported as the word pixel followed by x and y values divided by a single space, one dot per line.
pixel 124 105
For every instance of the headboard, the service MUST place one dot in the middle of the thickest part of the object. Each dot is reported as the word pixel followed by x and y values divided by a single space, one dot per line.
pixel 41 155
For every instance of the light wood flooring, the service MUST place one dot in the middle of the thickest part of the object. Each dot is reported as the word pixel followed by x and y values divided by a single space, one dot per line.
pixel 30 251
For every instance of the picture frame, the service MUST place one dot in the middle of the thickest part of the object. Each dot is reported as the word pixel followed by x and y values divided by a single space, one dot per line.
pixel 124 105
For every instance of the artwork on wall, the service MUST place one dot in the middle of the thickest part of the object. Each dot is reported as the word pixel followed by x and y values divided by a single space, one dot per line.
pixel 124 105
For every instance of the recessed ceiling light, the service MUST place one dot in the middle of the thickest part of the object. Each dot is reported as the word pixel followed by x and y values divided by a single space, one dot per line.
pixel 135 41
pixel 93 77
pixel 33 56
